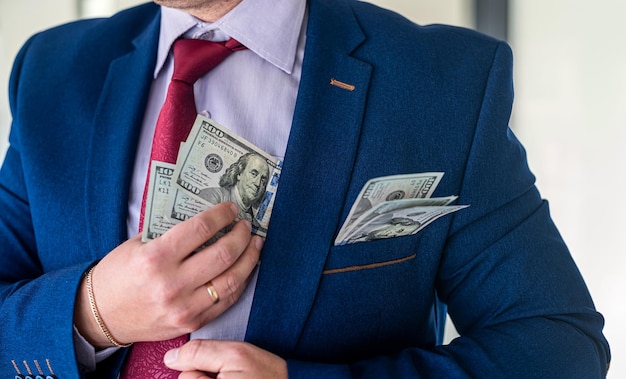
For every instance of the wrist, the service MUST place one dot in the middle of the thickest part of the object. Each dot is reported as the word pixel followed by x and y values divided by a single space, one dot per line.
pixel 87 318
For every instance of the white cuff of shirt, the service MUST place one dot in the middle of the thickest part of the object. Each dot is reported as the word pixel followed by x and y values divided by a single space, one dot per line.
pixel 86 354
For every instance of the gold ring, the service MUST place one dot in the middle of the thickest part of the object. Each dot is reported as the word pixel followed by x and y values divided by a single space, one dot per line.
pixel 212 292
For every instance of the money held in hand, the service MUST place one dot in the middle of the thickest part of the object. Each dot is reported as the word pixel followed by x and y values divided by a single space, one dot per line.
pixel 215 165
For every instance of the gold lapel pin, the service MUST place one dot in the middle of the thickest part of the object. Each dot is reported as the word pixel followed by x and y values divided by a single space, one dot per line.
pixel 342 85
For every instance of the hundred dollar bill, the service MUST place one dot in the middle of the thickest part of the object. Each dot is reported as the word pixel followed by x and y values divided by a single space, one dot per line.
pixel 160 189
pixel 215 166
pixel 385 221
pixel 391 206
pixel 161 193
pixel 387 188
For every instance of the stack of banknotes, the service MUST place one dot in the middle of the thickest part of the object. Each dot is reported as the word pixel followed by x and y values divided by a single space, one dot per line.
pixel 395 206
pixel 211 154
pixel 386 207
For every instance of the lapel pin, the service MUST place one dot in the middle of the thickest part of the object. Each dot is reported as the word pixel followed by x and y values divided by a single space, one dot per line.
pixel 342 85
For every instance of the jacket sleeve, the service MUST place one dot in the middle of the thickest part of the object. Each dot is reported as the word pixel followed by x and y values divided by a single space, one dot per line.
pixel 512 289
pixel 36 305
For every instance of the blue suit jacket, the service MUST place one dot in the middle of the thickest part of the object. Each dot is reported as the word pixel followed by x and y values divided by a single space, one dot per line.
pixel 425 99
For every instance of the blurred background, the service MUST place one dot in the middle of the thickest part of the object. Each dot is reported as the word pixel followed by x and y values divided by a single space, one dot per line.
pixel 570 80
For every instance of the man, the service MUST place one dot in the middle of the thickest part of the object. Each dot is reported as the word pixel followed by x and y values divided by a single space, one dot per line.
pixel 244 184
pixel 323 84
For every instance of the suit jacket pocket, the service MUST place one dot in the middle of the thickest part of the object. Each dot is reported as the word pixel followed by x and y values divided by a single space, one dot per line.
pixel 372 255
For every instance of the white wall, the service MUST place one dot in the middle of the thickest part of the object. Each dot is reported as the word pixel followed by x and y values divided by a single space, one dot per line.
pixel 454 12
pixel 570 112
pixel 18 20
pixel 95 8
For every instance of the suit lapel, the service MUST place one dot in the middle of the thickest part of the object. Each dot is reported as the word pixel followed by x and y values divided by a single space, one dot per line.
pixel 315 178
pixel 117 123
pixel 316 174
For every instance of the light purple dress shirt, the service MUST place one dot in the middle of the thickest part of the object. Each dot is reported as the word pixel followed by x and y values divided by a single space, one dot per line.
pixel 253 93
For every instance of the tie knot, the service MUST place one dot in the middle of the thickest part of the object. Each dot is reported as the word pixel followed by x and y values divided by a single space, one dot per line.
pixel 195 57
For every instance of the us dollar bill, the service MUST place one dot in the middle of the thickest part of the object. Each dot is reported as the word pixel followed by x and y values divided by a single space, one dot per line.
pixel 161 193
pixel 216 165
pixel 393 220
pixel 389 188
pixel 160 190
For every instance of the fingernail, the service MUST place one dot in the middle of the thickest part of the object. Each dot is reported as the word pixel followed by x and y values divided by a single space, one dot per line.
pixel 171 356
pixel 258 242
pixel 234 208
pixel 247 224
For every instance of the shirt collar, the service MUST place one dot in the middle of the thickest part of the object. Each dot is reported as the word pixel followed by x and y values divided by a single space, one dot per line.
pixel 269 28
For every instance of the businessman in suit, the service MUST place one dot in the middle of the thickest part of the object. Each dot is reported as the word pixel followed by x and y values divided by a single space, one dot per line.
pixel 342 91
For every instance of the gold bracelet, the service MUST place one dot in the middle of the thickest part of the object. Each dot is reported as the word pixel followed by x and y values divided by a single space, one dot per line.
pixel 96 314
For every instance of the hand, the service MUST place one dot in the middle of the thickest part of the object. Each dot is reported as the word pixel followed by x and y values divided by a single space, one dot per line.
pixel 204 359
pixel 157 290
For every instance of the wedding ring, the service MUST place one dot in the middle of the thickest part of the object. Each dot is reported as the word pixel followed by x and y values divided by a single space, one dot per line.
pixel 212 292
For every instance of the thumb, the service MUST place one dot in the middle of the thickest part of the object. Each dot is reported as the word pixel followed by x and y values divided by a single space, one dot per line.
pixel 195 355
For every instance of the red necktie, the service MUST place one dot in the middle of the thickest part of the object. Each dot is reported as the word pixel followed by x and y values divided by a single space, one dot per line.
pixel 193 58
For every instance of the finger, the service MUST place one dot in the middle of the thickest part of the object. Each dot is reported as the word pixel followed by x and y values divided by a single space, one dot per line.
pixel 196 375
pixel 231 284
pixel 234 280
pixel 228 288
pixel 216 258
pixel 229 359
pixel 197 355
pixel 187 236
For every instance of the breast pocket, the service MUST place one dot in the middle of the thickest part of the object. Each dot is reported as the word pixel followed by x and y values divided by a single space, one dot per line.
pixel 372 297
pixel 372 254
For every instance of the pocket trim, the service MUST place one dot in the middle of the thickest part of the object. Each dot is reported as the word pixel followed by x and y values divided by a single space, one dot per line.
pixel 368 266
